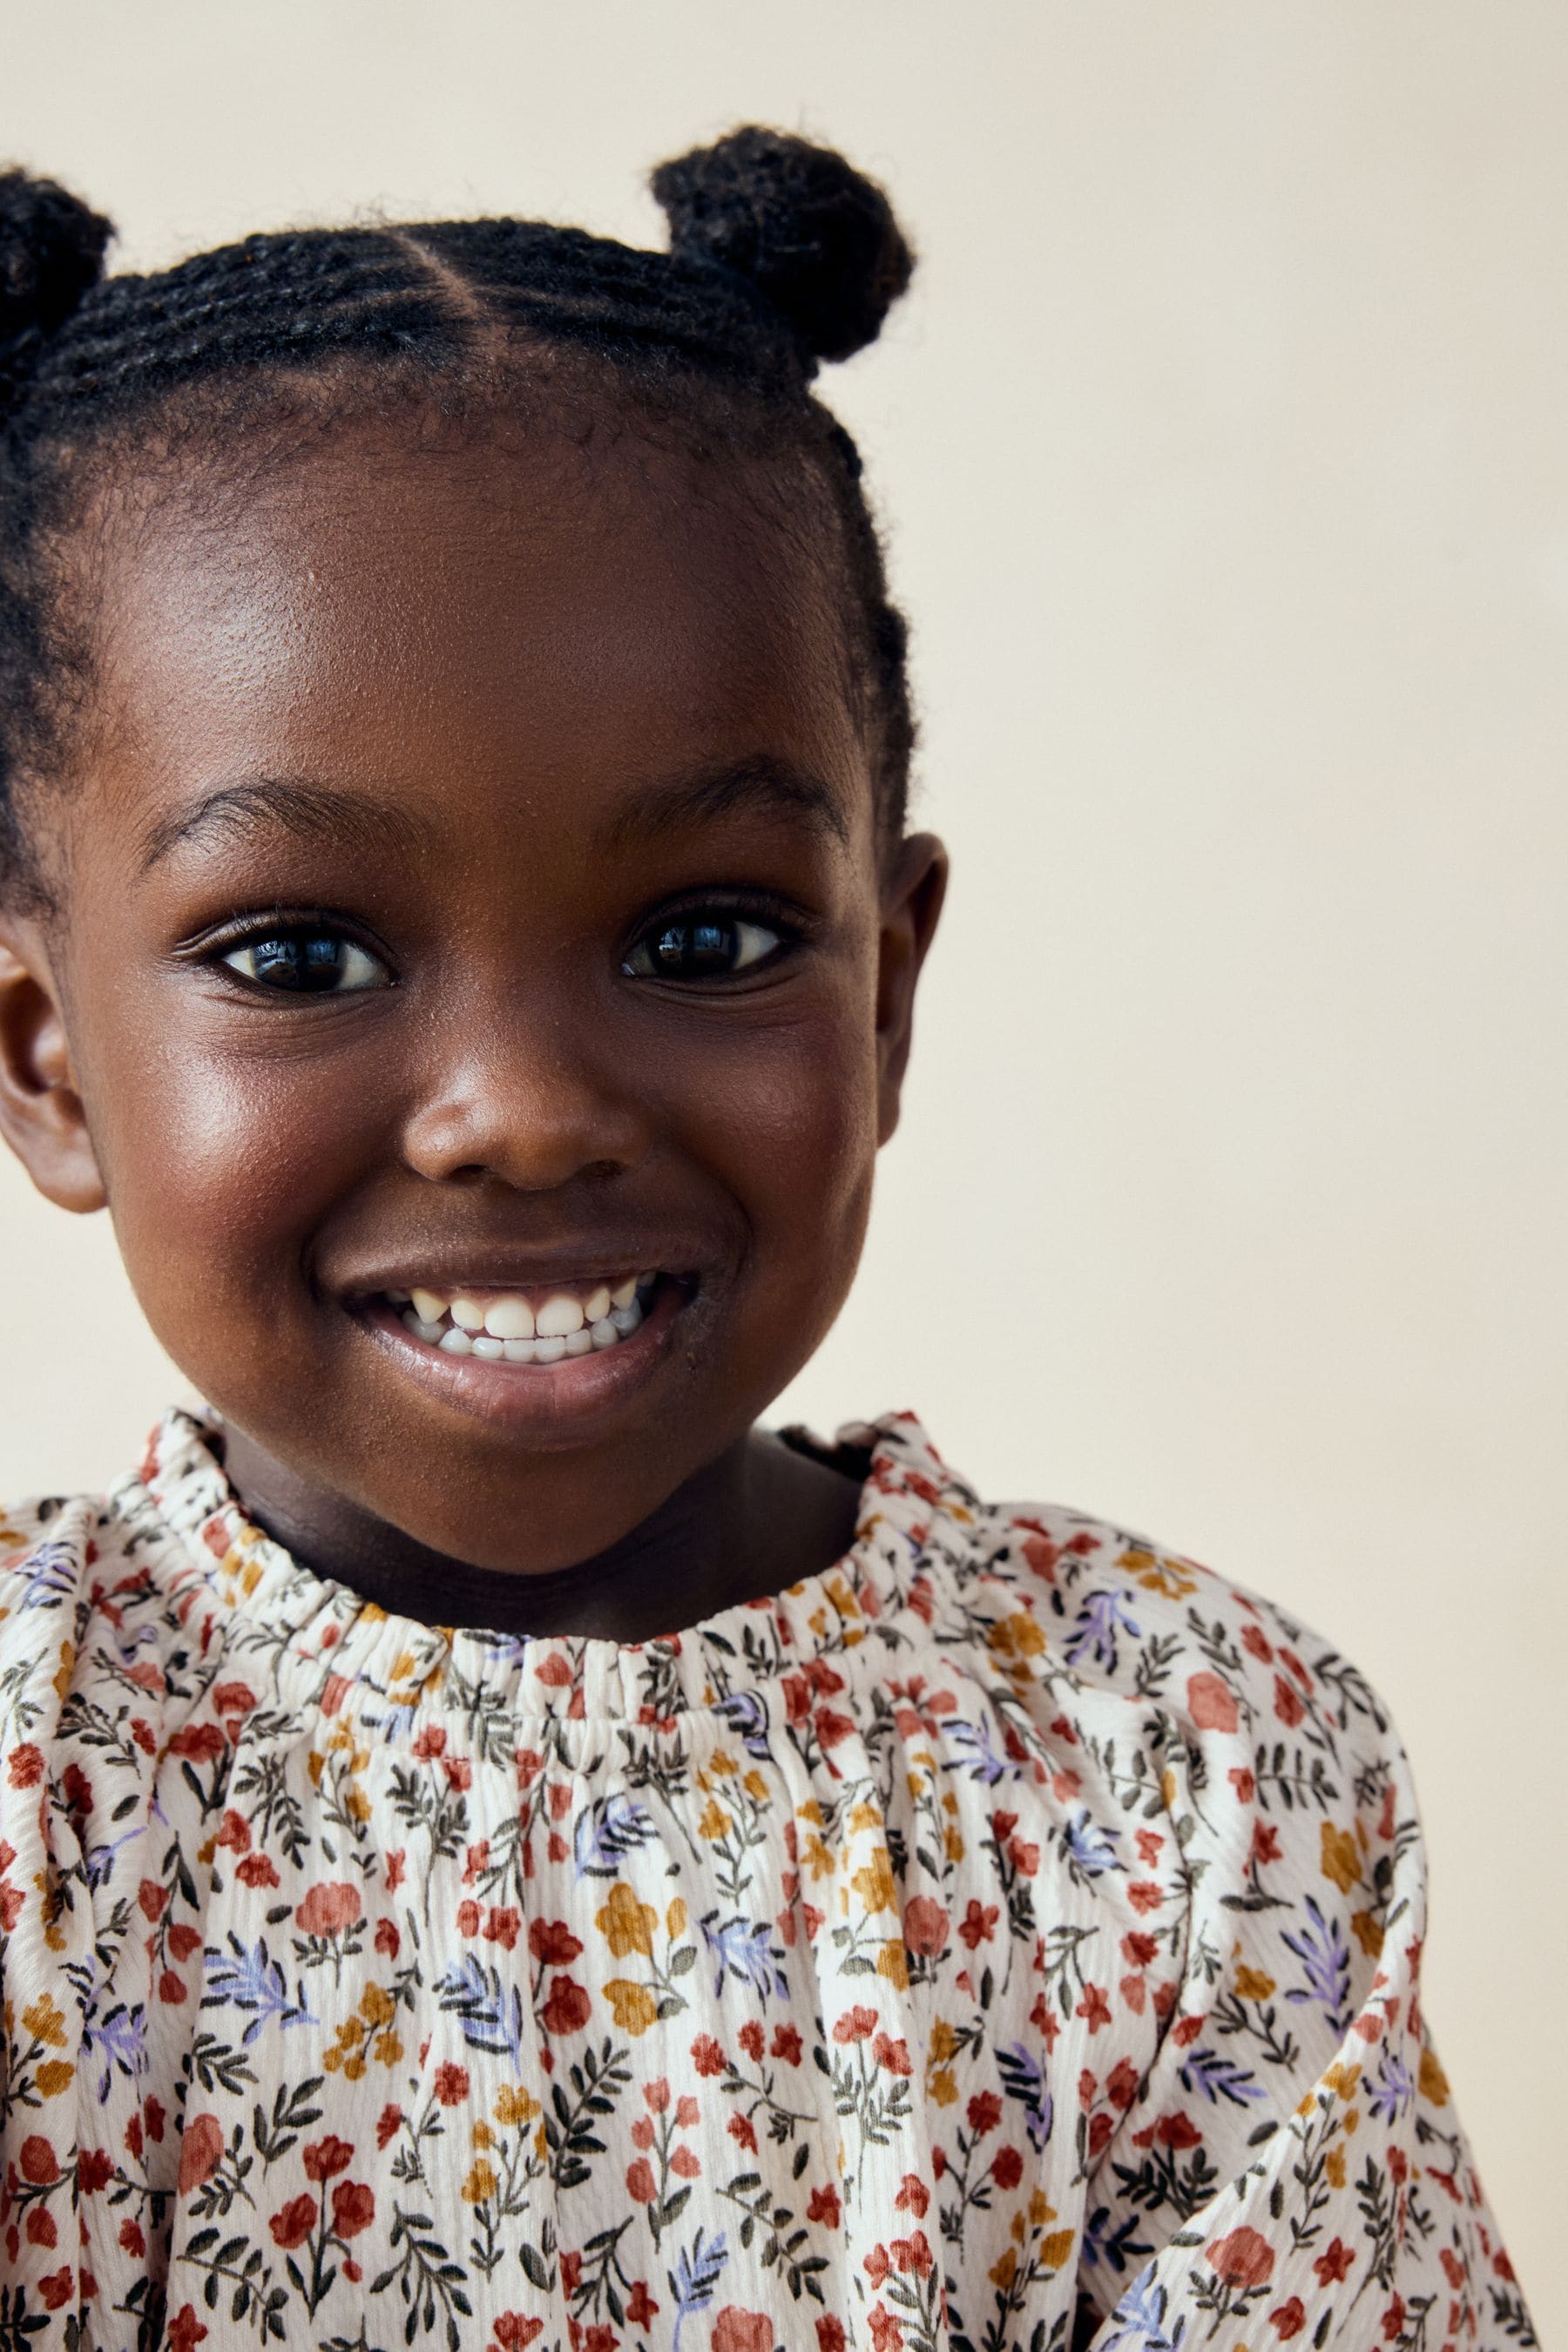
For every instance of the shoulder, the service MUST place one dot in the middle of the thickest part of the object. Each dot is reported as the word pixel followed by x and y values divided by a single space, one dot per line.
pixel 1122 1612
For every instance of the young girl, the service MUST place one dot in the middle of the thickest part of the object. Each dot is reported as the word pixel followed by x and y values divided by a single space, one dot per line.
pixel 493 1844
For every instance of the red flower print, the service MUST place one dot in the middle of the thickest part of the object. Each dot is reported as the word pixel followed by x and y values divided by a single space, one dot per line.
pixel 914 2196
pixel 1025 1856
pixel 735 2330
pixel 234 1698
pixel 1138 1948
pixel 643 2135
pixel 451 2083
pixel 1256 1641
pixel 1095 2007
pixel 153 2115
pixel 395 1867
pixel 459 1771
pixel 855 2025
pixel 186 2330
pixel 387 2125
pixel 55 2290
pixel 824 2207
pixel 513 2333
pixel 258 1870
pixel 602 2338
pixel 686 2111
pixel 293 2225
pixel 94 2170
pixel 926 1926
pixel 1335 2260
pixel 640 2305
pixel 707 2056
pixel 431 1742
pixel 354 2208
pixel 234 1831
pixel 35 2161
pixel 750 2038
pixel 1243 2259
pixel 1006 2168
pixel 388 1938
pixel 201 2151
pixel 786 2044
pixel 1144 1896
pixel 686 2162
pixel 1211 1703
pixel 1292 2318
pixel 503 1926
pixel 656 2094
pixel 978 1924
pixel 571 2271
pixel 986 2113
pixel 12 1902
pixel 170 1988
pixel 567 2011
pixel 1121 2083
pixel 1242 1782
pixel 1177 2131
pixel 641 2185
pixel 200 1742
pixel 42 2229
pixel 893 2054
pixel 326 2157
pixel 740 2129
pixel 829 2334
pixel 1101 2131
pixel 1265 1842
pixel 133 2137
pixel 552 1942
pixel 913 2252
pixel 886 2336
pixel 184 1940
pixel 328 1908
pixel 25 1765
pixel 1287 1704
pixel 468 1917
pixel 151 1898
pixel 131 2239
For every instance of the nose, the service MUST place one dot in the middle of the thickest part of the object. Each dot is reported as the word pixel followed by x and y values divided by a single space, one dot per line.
pixel 531 1092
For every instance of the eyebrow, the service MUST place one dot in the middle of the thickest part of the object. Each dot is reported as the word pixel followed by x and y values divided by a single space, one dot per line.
pixel 310 812
pixel 769 787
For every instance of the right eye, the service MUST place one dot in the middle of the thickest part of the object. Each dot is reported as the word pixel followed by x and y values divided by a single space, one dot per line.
pixel 306 962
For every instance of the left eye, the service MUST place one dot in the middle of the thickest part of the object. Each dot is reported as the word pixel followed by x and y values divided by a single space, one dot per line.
pixel 306 963
pixel 700 947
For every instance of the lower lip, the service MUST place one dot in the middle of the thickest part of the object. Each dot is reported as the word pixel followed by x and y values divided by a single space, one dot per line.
pixel 539 1401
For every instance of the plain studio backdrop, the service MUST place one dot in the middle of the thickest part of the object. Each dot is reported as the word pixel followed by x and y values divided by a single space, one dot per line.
pixel 1224 448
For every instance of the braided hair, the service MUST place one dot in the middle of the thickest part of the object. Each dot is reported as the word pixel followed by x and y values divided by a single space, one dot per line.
pixel 781 255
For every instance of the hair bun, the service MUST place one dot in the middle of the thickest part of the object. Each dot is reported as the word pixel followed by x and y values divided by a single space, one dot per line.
pixel 51 254
pixel 815 237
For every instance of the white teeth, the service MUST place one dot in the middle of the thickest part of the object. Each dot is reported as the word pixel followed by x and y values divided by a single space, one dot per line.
pixel 467 1314
pixel 559 1316
pixel 548 1351
pixel 428 1304
pixel 579 1343
pixel 603 1333
pixel 627 1319
pixel 644 1280
pixel 429 1332
pixel 519 1352
pixel 493 1349
pixel 510 1319
pixel 456 1343
pixel 597 1305
pixel 624 1294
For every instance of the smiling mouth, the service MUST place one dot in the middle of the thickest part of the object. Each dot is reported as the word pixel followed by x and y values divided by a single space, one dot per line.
pixel 538 1327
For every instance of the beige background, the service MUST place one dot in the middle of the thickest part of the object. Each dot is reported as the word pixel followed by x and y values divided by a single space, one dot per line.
pixel 1225 447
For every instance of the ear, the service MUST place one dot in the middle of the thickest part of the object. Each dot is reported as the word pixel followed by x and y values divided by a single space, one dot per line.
pixel 41 1114
pixel 913 894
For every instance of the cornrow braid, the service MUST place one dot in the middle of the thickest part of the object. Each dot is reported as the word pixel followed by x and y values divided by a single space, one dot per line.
pixel 781 255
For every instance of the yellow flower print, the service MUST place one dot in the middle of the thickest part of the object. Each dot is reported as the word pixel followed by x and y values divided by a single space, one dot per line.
pixel 675 1918
pixel 1368 1934
pixel 480 2184
pixel 1251 1984
pixel 514 2105
pixel 55 2076
pixel 1054 2250
pixel 625 1924
pixel 1342 1860
pixel 943 2088
pixel 46 2023
pixel 1433 2082
pixel 715 1822
pixel 634 2007
pixel 873 1883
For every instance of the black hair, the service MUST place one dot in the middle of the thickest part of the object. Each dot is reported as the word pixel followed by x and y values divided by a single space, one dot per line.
pixel 781 255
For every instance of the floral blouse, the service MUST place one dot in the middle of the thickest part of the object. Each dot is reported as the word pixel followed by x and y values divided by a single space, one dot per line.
pixel 1008 1938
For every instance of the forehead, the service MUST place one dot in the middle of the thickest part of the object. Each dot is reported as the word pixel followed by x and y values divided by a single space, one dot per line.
pixel 402 607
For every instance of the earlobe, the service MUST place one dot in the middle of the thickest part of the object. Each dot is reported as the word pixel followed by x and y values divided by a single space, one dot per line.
pixel 912 906
pixel 41 1113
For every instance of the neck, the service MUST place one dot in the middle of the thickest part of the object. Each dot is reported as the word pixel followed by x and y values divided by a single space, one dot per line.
pixel 759 1516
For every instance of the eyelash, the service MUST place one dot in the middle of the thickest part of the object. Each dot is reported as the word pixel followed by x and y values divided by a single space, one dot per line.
pixel 765 919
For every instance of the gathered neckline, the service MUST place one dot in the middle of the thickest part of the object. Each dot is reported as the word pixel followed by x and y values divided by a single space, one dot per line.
pixel 326 1644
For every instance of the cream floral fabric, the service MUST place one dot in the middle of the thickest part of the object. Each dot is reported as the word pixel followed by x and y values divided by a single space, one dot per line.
pixel 1014 1913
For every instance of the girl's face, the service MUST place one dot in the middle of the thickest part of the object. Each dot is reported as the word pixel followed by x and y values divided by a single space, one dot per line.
pixel 472 889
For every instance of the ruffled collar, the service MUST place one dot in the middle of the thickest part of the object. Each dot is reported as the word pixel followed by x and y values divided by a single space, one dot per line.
pixel 325 1645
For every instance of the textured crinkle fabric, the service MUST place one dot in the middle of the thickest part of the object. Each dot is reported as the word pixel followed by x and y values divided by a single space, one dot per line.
pixel 1014 1913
